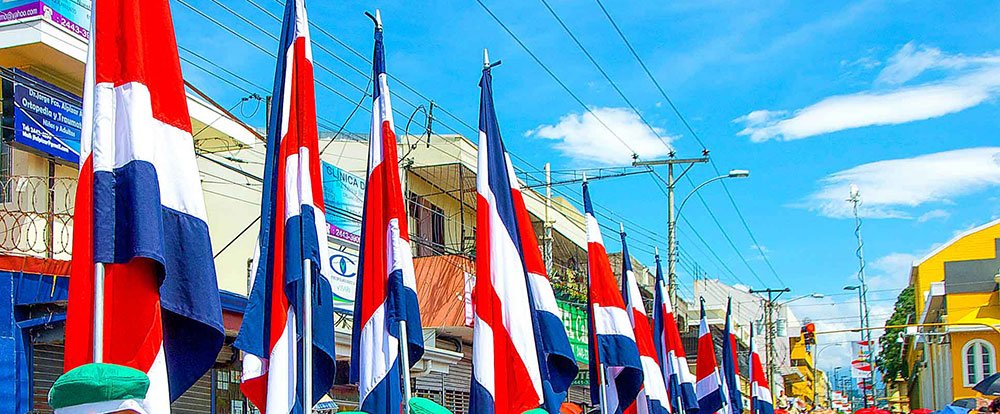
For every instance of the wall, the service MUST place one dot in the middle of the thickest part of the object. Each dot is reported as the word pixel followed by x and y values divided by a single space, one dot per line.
pixel 957 360
pixel 979 243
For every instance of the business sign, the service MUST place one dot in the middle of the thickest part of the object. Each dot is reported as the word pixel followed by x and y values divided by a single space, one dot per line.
pixel 344 280
pixel 574 317
pixel 73 15
pixel 343 197
pixel 44 118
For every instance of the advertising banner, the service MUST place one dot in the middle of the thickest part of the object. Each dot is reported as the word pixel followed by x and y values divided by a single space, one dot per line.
pixel 46 119
pixel 574 317
pixel 73 15
pixel 344 197
pixel 344 280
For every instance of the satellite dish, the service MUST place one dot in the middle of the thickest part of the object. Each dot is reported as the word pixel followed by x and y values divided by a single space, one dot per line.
pixel 855 192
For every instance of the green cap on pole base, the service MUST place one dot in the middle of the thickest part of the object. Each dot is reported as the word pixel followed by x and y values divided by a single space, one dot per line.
pixel 99 388
pixel 536 411
pixel 420 405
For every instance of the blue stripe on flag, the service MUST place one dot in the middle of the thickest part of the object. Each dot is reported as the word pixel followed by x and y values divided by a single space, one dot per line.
pixel 130 222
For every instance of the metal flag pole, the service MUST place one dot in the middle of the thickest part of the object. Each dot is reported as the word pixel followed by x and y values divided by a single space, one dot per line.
pixel 404 354
pixel 99 312
pixel 603 389
pixel 307 336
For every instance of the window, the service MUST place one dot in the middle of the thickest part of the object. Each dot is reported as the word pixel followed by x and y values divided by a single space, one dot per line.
pixel 979 361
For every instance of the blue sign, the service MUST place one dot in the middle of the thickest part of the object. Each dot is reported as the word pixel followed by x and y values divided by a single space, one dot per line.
pixel 47 119
pixel 344 197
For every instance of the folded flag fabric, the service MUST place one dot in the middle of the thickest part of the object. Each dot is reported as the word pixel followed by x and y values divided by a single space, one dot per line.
pixel 98 388
pixel 730 365
pixel 386 292
pixel 670 350
pixel 522 359
pixel 290 244
pixel 614 355
pixel 653 398
pixel 140 212
pixel 710 386
pixel 760 393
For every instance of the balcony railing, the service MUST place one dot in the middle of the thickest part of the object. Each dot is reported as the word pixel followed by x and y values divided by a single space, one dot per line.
pixel 36 216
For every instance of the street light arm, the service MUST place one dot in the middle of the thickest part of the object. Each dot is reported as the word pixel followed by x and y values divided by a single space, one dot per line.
pixel 686 198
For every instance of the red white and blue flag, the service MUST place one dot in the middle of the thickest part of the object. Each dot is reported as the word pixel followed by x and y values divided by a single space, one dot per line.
pixel 292 231
pixel 386 291
pixel 522 359
pixel 730 367
pixel 140 211
pixel 710 387
pixel 670 350
pixel 653 398
pixel 760 392
pixel 614 355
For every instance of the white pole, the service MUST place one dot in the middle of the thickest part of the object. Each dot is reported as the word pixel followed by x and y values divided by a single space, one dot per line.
pixel 603 390
pixel 307 335
pixel 404 369
pixel 99 312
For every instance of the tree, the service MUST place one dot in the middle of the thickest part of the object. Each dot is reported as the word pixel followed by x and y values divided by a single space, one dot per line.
pixel 890 359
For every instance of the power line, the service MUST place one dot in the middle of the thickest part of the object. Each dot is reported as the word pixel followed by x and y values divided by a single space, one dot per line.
pixel 605 74
pixel 556 78
pixel 694 134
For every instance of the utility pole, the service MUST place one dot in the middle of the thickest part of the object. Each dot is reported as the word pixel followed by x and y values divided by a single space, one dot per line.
pixel 671 213
pixel 547 225
pixel 769 305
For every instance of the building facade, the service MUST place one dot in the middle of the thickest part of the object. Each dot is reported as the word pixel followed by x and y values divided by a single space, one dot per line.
pixel 956 304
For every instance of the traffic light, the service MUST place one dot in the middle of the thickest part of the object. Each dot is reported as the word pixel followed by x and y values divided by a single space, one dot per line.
pixel 809 333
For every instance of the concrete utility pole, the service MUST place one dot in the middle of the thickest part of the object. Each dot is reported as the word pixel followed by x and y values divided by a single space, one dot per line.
pixel 547 225
pixel 671 213
pixel 771 334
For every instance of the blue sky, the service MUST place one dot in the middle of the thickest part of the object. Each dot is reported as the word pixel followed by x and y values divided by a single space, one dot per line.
pixel 899 97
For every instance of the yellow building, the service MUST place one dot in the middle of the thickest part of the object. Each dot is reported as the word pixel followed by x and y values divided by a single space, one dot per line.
pixel 805 381
pixel 956 300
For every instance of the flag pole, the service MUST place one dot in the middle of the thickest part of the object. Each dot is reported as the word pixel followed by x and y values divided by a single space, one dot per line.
pixel 404 354
pixel 98 312
pixel 603 389
pixel 307 335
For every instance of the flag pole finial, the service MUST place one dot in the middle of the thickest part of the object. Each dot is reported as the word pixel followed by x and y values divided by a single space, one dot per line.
pixel 621 227
pixel 486 57
pixel 378 19
pixel 656 251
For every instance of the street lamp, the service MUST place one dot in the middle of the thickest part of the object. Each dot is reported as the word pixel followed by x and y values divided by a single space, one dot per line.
pixel 861 313
pixel 672 225
pixel 811 296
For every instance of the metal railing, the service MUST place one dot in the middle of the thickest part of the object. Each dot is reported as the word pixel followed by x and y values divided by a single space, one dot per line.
pixel 36 216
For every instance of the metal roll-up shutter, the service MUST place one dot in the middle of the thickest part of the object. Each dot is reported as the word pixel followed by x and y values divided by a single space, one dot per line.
pixel 197 399
pixel 47 365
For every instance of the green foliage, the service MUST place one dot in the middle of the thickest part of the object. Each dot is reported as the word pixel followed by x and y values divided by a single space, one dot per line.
pixel 890 359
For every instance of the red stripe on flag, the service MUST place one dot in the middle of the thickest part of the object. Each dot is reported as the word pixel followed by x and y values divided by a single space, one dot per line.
pixel 515 393
pixel 134 42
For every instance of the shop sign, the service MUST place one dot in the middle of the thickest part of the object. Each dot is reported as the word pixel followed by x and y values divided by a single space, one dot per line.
pixel 73 15
pixel 45 119
pixel 574 317
pixel 343 196
pixel 344 280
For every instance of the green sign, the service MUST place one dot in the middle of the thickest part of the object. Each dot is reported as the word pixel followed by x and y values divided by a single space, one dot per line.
pixel 574 317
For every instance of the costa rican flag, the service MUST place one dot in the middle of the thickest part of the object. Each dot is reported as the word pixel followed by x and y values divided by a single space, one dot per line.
pixel 730 367
pixel 140 211
pixel 710 386
pixel 559 363
pixel 653 397
pixel 760 393
pixel 614 355
pixel 522 359
pixel 386 292
pixel 292 231
pixel 670 350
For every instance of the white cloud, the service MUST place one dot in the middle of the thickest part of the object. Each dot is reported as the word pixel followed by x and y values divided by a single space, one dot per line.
pixel 935 214
pixel 584 138
pixel 891 271
pixel 892 188
pixel 966 81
